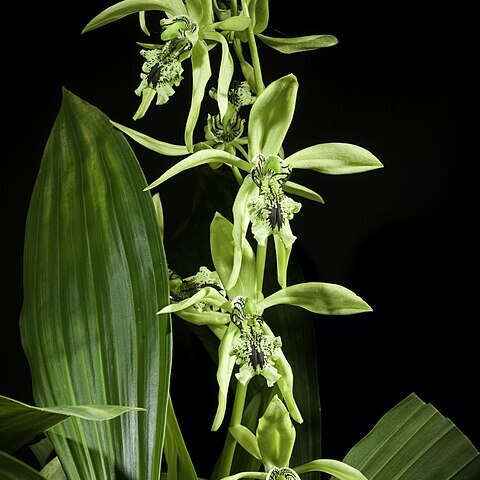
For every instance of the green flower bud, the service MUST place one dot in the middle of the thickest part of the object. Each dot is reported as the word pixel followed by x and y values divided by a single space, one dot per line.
pixel 276 438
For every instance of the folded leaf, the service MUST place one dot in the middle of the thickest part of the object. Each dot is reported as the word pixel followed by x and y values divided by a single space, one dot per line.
pixel 42 450
pixel 299 44
pixel 335 159
pixel 178 460
pixel 415 441
pixel 12 468
pixel 53 470
pixel 324 298
pixel 126 7
pixel 21 423
pixel 271 116
pixel 157 146
pixel 94 277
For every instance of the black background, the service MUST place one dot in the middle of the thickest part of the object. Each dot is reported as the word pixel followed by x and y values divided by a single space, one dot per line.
pixel 404 238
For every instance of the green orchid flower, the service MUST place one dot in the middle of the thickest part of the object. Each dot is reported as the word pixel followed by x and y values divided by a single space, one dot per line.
pixel 189 31
pixel 263 199
pixel 236 315
pixel 273 444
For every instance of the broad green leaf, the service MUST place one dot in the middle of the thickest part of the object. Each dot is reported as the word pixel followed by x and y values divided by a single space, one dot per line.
pixel 222 249
pixel 335 159
pixel 226 363
pixel 196 159
pixel 324 298
pixel 241 220
pixel 225 73
pixel 236 23
pixel 157 146
pixel 20 423
pixel 299 44
pixel 54 470
pixel 246 439
pixel 201 73
pixel 415 441
pixel 271 116
pixel 340 470
pixel 178 459
pixel 275 435
pixel 12 468
pixel 94 277
pixel 42 450
pixel 297 189
pixel 127 7
pixel 208 295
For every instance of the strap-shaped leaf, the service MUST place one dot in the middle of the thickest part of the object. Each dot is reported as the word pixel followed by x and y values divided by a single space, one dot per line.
pixel 317 297
pixel 271 116
pixel 157 146
pixel 20 423
pixel 299 44
pixel 127 7
pixel 335 159
pixel 415 441
pixel 12 468
pixel 178 459
pixel 94 277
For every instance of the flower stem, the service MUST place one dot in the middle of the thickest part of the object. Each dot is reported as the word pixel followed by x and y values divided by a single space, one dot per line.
pixel 226 458
pixel 261 257
pixel 238 175
pixel 259 85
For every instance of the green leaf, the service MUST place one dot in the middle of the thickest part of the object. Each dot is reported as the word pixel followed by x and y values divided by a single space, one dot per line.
pixel 127 7
pixel 324 298
pixel 297 189
pixel 226 363
pixel 20 423
pixel 157 146
pixel 178 459
pixel 299 44
pixel 271 116
pixel 94 277
pixel 415 441
pixel 340 470
pixel 12 468
pixel 196 159
pixel 201 73
pixel 246 439
pixel 54 470
pixel 335 159
pixel 222 248
pixel 236 23
pixel 225 73
pixel 42 450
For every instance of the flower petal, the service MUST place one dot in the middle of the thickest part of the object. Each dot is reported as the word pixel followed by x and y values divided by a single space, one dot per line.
pixel 271 116
pixel 208 295
pixel 335 159
pixel 339 470
pixel 299 44
pixel 246 439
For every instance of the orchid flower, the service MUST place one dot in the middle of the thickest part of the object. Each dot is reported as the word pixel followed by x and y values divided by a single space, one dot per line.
pixel 262 198
pixel 236 315
pixel 189 31
pixel 273 444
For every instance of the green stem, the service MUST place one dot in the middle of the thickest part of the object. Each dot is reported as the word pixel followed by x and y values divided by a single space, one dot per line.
pixel 259 85
pixel 238 175
pixel 261 257
pixel 233 6
pixel 230 443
